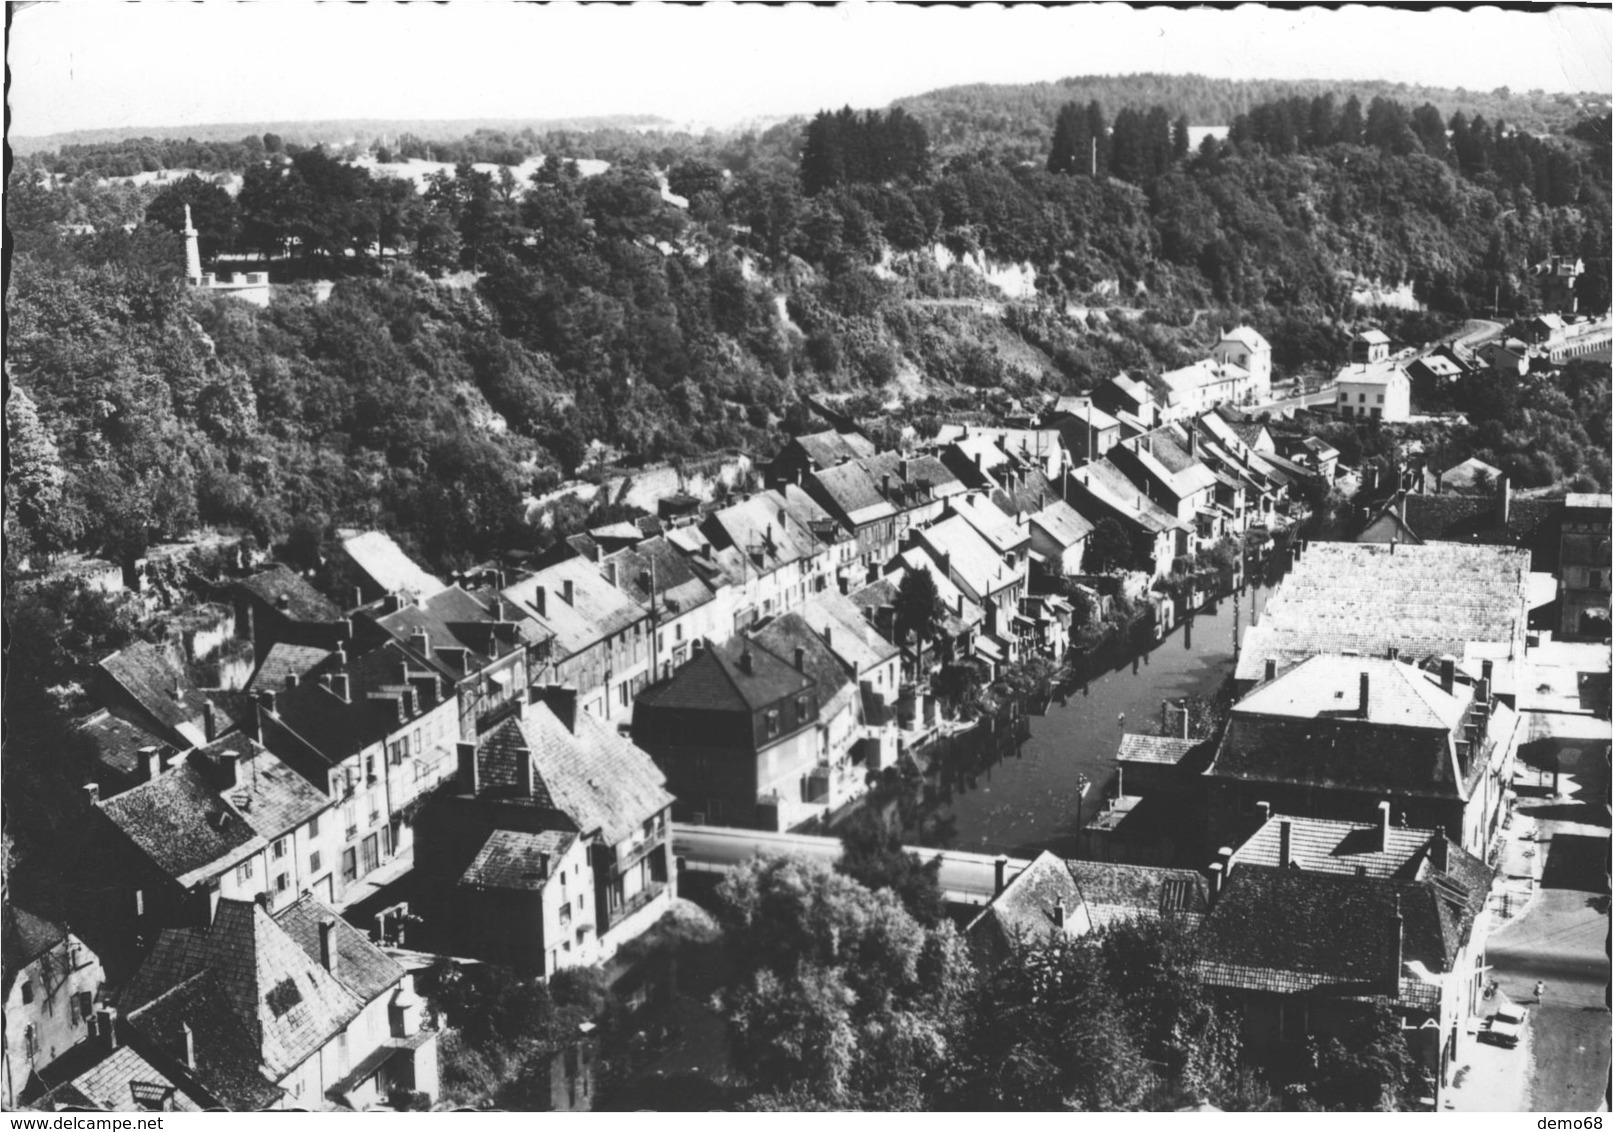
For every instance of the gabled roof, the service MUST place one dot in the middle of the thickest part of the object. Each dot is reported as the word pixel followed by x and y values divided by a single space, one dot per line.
pixel 1111 487
pixel 276 992
pixel 1084 413
pixel 363 968
pixel 819 663
pixel 271 797
pixel 1466 474
pixel 600 780
pixel 1424 600
pixel 1373 373
pixel 516 860
pixel 828 448
pixel 597 611
pixel 1246 336
pixel 1163 456
pixel 1475 519
pixel 1399 695
pixel 303 601
pixel 969 555
pixel 761 527
pixel 455 618
pixel 336 729
pixel 284 660
pixel 228 1064
pixel 1340 847
pixel 26 937
pixel 1202 373
pixel 1001 530
pixel 714 679
pixel 655 573
pixel 117 743
pixel 1062 523
pixel 387 566
pixel 115 1080
pixel 1589 501
pixel 961 611
pixel 160 685
pixel 1373 336
pixel 1166 750
pixel 183 826
pixel 1026 910
pixel 847 632
pixel 1132 388
pixel 851 489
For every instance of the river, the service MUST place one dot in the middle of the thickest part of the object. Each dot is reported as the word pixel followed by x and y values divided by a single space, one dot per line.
pixel 1028 800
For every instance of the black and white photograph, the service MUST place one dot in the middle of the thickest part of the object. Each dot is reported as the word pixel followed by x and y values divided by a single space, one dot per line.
pixel 861 557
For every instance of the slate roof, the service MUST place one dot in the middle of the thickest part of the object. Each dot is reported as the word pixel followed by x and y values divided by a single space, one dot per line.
pixel 271 797
pixel 336 730
pixel 1112 892
pixel 1166 750
pixel 512 859
pixel 304 602
pixel 677 588
pixel 1474 519
pixel 828 448
pixel 1113 488
pixel 712 680
pixel 1062 523
pixel 1342 847
pixel 284 660
pixel 26 937
pixel 160 685
pixel 1399 695
pixel 275 991
pixel 820 664
pixel 598 610
pixel 117 743
pixel 1020 494
pixel 971 557
pixel 1374 337
pixel 852 490
pixel 227 1061
pixel 857 643
pixel 1001 530
pixel 931 475
pixel 89 1075
pixel 383 560
pixel 600 780
pixel 762 526
pixel 1425 600
pixel 183 826
pixel 1164 458
pixel 363 968
pixel 1082 409
pixel 1201 373
pixel 1373 373
pixel 1246 336
pixel 456 618
pixel 1588 501
pixel 961 612
pixel 1026 909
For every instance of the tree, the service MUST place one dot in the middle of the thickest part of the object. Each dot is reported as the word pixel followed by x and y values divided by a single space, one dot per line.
pixel 1108 547
pixel 212 211
pixel 34 476
pixel 1351 127
pixel 840 992
pixel 872 854
pixel 1365 1066
pixel 919 611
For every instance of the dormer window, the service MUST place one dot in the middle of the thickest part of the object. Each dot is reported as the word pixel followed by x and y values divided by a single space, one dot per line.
pixel 772 720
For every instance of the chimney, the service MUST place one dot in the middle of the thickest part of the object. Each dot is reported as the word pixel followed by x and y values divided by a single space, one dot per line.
pixel 1059 914
pixel 540 601
pixel 1439 852
pixel 800 659
pixel 228 765
pixel 346 628
pixel 209 721
pixel 468 783
pixel 1185 734
pixel 885 484
pixel 92 794
pixel 561 700
pixel 1447 674
pixel 747 664
pixel 283 603
pixel 568 592
pixel 291 679
pixel 1217 876
pixel 1481 694
pixel 1271 668
pixel 1285 843
pixel 1002 874
pixel 422 642
pixel 1264 810
pixel 150 764
pixel 358 596
pixel 829 635
pixel 107 1027
pixel 1487 669
pixel 1394 652
pixel 1366 695
pixel 1383 826
pixel 523 773
pixel 1503 499
pixel 1392 985
pixel 328 957
pixel 339 688
pixel 187 1036
pixel 610 572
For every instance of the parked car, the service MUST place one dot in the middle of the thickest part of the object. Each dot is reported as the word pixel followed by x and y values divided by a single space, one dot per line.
pixel 1505 1026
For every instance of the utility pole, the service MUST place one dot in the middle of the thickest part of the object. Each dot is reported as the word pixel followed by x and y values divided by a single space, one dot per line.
pixel 1094 156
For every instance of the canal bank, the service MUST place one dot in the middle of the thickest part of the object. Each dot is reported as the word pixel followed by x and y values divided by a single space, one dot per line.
pixel 1017 787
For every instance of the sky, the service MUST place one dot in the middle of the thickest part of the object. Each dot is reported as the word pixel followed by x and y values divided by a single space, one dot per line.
pixel 91 64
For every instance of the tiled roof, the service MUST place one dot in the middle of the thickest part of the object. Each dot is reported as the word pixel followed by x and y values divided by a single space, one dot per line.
pixel 597 611
pixel 336 729
pixel 363 968
pixel 304 602
pixel 932 475
pixel 1082 409
pixel 90 1075
pixel 1061 522
pixel 598 779
pixel 1474 519
pixel 1164 457
pixel 515 860
pixel 158 684
pixel 1024 492
pixel 1424 600
pixel 960 611
pixel 179 822
pixel 383 560
pixel 273 988
pixel 677 588
pixel 1026 909
pixel 1373 373
pixel 271 797
pixel 26 937
pixel 857 643
pixel 1585 501
pixel 1338 847
pixel 998 528
pixel 819 663
pixel 1167 750
pixel 284 660
pixel 761 527
pixel 455 618
pixel 1111 892
pixel 969 556
pixel 1374 336
pixel 228 1064
pixel 1246 336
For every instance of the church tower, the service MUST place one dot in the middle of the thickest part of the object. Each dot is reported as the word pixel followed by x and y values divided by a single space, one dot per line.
pixel 193 253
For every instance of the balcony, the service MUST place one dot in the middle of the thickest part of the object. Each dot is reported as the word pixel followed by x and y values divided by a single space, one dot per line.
pixel 642 899
pixel 634 852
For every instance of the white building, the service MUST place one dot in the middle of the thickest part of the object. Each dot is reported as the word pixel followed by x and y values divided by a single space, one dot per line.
pixel 1247 349
pixel 1375 391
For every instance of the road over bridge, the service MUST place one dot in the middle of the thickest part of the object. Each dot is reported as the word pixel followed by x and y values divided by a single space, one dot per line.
pixel 965 878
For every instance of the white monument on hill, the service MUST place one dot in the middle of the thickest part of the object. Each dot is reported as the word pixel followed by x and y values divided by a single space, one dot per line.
pixel 252 286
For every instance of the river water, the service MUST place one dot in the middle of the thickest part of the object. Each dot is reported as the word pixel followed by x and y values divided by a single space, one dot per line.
pixel 1028 800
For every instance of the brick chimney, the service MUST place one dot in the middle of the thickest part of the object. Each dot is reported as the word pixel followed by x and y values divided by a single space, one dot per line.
pixel 1285 843
pixel 1503 499
pixel 1217 878
pixel 469 778
pixel 1366 695
pixel 523 773
pixel 209 720
pixel 540 601
pixel 106 1028
pixel 747 663
pixel 1383 826
pixel 1271 668
pixel 1447 674
pixel 800 659
pixel 150 763
pixel 1439 852
pixel 1060 913
pixel 568 591
pixel 1264 809
pixel 1001 864
pixel 329 958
